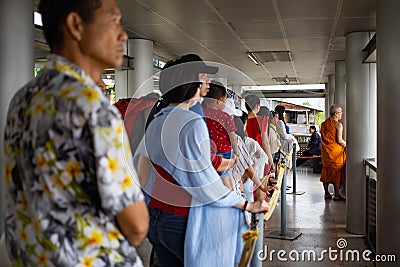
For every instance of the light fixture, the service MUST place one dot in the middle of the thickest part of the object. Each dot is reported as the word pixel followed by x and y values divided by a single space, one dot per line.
pixel 253 58
pixel 302 87
pixel 286 80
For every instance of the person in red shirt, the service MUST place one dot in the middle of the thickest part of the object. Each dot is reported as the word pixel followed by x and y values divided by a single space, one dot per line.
pixel 256 127
pixel 220 127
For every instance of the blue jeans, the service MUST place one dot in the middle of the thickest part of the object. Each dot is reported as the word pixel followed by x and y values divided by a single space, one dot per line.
pixel 167 235
pixel 225 155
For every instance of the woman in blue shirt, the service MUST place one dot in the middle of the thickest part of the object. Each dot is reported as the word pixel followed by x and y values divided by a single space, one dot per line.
pixel 194 219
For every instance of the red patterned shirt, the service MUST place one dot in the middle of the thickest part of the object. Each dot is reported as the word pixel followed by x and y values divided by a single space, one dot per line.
pixel 219 124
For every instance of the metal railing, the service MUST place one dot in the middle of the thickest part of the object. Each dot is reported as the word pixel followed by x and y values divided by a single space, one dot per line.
pixel 371 195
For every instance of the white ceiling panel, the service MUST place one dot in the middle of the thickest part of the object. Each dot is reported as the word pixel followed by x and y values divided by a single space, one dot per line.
pixel 295 9
pixel 308 28
pixel 142 15
pixel 234 10
pixel 308 44
pixel 182 11
pixel 186 47
pixel 209 31
pixel 161 33
pixel 268 29
pixel 278 65
pixel 265 44
pixel 225 47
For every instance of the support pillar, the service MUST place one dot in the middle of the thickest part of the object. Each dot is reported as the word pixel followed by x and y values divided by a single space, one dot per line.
pixel 327 107
pixel 138 81
pixel 373 118
pixel 388 94
pixel 358 110
pixel 373 128
pixel 332 89
pixel 121 84
pixel 16 64
pixel 340 90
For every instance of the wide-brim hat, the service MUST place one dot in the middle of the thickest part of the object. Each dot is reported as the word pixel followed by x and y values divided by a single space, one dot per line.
pixel 198 64
pixel 231 109
pixel 183 70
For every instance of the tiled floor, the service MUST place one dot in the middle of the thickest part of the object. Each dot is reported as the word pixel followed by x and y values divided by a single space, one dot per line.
pixel 322 224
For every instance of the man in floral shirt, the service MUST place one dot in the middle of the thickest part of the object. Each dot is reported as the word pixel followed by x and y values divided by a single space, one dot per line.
pixel 71 197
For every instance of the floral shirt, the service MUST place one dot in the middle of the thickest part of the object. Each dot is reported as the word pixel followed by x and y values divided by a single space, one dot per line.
pixel 68 172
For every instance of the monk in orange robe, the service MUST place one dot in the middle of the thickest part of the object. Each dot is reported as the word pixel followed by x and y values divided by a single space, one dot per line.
pixel 333 153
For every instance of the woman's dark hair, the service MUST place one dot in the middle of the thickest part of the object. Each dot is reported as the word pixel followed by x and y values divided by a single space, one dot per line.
pixel 178 83
pixel 272 115
pixel 244 117
pixel 54 13
pixel 239 127
pixel 280 110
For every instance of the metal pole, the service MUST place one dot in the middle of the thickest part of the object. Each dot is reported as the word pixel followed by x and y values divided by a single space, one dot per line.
pixel 283 234
pixel 294 168
pixel 283 204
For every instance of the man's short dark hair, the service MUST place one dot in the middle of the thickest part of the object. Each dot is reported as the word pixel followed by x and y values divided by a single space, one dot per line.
pixel 54 13
pixel 313 127
pixel 251 101
pixel 217 90
pixel 264 111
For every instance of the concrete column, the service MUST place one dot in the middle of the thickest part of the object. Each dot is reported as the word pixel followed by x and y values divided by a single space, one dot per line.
pixel 373 120
pixel 138 81
pixel 332 89
pixel 340 90
pixel 121 84
pixel 16 64
pixel 388 66
pixel 358 134
pixel 327 107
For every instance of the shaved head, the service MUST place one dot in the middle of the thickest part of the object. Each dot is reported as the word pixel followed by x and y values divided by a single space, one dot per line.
pixel 335 109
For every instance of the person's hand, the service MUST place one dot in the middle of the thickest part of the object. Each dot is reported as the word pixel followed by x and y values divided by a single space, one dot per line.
pixel 260 206
pixel 260 195
pixel 263 188
pixel 273 187
pixel 264 185
pixel 272 167
pixel 235 161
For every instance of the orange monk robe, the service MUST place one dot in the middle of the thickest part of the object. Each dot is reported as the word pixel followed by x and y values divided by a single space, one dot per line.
pixel 333 154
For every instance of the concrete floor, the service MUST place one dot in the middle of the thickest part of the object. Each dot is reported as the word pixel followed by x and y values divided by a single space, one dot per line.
pixel 321 224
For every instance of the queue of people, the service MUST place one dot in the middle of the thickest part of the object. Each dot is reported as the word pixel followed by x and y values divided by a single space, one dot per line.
pixel 76 194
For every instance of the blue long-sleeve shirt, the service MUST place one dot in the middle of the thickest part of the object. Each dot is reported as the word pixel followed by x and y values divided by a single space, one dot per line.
pixel 178 141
